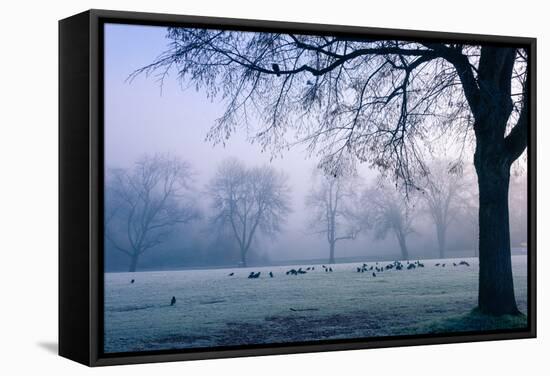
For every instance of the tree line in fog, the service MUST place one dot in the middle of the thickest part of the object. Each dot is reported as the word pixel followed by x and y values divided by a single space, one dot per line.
pixel 147 204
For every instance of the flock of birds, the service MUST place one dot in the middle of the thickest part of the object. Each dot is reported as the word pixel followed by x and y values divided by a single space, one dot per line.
pixel 376 268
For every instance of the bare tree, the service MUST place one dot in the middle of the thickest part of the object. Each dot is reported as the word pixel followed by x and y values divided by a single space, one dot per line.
pixel 331 203
pixel 248 201
pixel 377 101
pixel 518 209
pixel 388 210
pixel 442 188
pixel 144 204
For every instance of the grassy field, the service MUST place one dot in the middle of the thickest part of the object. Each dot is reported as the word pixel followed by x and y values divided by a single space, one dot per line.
pixel 215 309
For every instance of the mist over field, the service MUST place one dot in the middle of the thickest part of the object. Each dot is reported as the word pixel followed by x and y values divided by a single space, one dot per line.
pixel 143 118
pixel 275 188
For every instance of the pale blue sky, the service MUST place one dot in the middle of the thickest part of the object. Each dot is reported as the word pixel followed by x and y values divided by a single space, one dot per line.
pixel 139 119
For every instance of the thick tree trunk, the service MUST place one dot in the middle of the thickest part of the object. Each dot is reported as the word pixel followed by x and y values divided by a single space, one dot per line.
pixel 331 257
pixel 496 285
pixel 441 240
pixel 243 258
pixel 133 263
pixel 403 245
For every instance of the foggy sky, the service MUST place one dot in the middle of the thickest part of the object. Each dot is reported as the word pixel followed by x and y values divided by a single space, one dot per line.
pixel 142 119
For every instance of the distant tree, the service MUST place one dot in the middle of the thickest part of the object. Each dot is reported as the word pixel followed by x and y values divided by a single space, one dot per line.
pixel 331 204
pixel 442 188
pixel 144 204
pixel 375 100
pixel 248 201
pixel 518 209
pixel 389 210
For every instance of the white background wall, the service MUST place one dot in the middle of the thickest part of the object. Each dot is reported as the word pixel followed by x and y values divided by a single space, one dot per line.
pixel 28 185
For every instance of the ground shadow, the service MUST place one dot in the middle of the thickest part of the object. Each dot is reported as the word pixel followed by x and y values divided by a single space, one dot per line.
pixel 50 347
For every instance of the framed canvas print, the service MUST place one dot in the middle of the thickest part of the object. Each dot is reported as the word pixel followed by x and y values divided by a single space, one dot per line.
pixel 237 187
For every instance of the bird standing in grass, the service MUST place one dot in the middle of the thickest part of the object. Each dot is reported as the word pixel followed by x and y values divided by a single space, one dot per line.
pixel 373 274
pixel 271 274
pixel 231 274
pixel 173 301
pixel 132 281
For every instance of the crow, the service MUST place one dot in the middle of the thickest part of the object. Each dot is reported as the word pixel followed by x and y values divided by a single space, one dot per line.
pixel 231 274
pixel 437 264
pixel 173 301
pixel 132 281
pixel 271 274
pixel 443 265
pixel 373 274
pixel 358 270
pixel 276 69
pixel 330 270
pixel 454 263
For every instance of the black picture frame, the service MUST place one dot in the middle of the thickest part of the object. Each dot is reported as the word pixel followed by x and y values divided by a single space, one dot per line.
pixel 81 188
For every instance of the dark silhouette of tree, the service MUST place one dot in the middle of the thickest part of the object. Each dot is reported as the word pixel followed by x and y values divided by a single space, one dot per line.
pixel 248 201
pixel 144 204
pixel 442 190
pixel 376 101
pixel 331 204
pixel 387 210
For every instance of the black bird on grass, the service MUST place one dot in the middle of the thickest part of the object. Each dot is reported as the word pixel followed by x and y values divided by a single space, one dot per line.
pixel 231 274
pixel 276 69
pixel 132 281
pixel 271 274
pixel 437 264
pixel 330 269
pixel 373 274
pixel 454 263
pixel 173 301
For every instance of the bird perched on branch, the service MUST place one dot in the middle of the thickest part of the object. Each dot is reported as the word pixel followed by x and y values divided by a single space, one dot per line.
pixel 276 69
